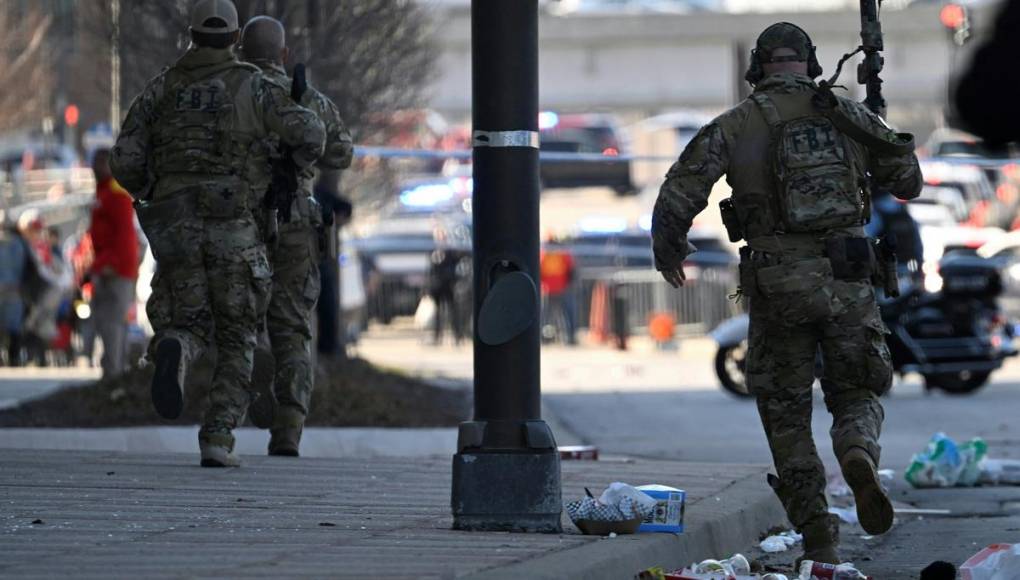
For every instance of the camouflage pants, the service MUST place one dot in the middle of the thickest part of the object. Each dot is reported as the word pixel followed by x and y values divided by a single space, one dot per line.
pixel 841 322
pixel 296 286
pixel 211 281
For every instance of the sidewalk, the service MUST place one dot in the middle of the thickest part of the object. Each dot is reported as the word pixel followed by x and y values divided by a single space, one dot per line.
pixel 104 514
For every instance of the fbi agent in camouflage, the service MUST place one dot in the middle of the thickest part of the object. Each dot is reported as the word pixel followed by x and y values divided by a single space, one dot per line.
pixel 192 151
pixel 800 199
pixel 294 258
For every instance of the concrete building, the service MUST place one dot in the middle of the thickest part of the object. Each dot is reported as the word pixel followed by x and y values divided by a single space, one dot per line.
pixel 640 64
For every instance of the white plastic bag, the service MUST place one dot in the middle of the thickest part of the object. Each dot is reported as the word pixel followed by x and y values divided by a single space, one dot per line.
pixel 1000 471
pixel 781 542
pixel 617 491
pixel 996 562
pixel 946 464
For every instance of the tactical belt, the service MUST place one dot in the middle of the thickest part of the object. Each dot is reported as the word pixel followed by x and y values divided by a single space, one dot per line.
pixel 851 256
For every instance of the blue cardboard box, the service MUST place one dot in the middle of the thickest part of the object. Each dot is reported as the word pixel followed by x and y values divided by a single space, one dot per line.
pixel 669 511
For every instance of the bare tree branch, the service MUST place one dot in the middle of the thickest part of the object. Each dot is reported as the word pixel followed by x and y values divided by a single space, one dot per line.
pixel 25 74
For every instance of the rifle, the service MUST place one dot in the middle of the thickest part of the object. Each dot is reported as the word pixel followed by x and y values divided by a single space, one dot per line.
pixel 284 184
pixel 872 46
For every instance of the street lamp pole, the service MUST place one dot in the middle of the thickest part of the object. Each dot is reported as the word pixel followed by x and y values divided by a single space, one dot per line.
pixel 506 474
pixel 115 67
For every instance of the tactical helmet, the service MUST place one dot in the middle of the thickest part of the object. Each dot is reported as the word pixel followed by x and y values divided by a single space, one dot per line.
pixel 222 10
pixel 782 35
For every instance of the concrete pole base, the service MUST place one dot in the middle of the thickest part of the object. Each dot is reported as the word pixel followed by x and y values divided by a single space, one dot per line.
pixel 507 492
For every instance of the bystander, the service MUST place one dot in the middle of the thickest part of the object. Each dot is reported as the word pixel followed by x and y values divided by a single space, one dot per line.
pixel 12 272
pixel 115 267
pixel 557 277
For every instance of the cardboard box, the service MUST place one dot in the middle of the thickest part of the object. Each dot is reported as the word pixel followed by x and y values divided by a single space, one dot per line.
pixel 669 511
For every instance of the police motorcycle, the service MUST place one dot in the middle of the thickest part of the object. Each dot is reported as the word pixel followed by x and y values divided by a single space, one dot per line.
pixel 954 338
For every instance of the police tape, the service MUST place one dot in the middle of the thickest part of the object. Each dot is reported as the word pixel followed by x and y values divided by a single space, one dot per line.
pixel 544 156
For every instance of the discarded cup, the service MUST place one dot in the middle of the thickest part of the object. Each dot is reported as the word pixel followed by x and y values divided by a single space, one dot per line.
pixel 810 570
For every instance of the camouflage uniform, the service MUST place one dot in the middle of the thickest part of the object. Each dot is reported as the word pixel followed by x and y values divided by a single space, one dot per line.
pixel 296 281
pixel 839 317
pixel 199 184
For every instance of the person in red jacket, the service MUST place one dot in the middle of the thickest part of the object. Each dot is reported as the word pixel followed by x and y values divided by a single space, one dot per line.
pixel 115 267
pixel 557 271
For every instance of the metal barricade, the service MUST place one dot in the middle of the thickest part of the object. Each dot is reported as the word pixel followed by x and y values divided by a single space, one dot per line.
pixel 701 304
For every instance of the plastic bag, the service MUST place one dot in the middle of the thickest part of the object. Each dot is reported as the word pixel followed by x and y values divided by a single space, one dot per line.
pixel 946 464
pixel 1000 471
pixel 781 542
pixel 996 562
pixel 617 491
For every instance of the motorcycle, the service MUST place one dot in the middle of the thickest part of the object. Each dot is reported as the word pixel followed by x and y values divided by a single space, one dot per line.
pixel 954 338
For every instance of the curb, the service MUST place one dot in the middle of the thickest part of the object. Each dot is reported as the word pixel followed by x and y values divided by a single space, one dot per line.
pixel 316 442
pixel 719 526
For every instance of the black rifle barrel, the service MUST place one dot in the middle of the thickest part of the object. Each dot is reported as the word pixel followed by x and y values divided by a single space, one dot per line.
pixel 869 69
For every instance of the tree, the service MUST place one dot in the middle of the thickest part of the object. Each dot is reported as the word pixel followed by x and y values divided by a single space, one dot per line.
pixel 25 73
pixel 372 57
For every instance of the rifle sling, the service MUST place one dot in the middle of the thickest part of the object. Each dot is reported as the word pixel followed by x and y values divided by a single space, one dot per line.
pixel 876 144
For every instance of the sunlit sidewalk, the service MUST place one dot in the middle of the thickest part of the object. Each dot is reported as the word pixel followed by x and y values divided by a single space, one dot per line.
pixel 106 515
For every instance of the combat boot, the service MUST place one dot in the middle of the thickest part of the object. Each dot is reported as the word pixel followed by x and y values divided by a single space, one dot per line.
pixel 168 379
pixel 820 541
pixel 874 510
pixel 285 436
pixel 217 450
pixel 262 410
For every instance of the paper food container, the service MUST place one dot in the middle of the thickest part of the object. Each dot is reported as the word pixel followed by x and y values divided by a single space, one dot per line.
pixel 602 528
pixel 669 511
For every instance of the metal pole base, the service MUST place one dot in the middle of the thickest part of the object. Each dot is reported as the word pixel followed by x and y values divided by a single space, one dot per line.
pixel 507 492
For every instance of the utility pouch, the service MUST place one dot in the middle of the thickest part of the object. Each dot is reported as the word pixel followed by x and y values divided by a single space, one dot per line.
pixel 797 292
pixel 805 276
pixel 226 199
pixel 754 211
pixel 851 258
pixel 161 221
pixel 748 282
pixel 886 272
pixel 730 220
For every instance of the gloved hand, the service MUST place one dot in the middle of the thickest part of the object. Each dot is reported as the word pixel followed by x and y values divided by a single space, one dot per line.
pixel 669 259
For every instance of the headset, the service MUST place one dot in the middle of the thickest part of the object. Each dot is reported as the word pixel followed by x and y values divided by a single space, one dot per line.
pixel 755 72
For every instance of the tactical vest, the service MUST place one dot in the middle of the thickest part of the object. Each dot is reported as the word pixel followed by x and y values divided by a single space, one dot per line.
pixel 194 134
pixel 792 171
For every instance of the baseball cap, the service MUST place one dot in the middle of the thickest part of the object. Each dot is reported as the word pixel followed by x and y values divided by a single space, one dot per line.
pixel 206 12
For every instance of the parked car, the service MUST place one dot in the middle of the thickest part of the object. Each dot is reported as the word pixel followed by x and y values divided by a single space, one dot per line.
pixel 601 245
pixel 395 260
pixel 1000 165
pixel 596 135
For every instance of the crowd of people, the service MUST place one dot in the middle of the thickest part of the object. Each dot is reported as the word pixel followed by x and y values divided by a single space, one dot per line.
pixel 59 293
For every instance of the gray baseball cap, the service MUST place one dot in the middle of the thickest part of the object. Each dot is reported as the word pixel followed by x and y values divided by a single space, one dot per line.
pixel 205 10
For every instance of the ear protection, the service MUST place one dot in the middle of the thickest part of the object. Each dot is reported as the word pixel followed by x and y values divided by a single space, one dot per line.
pixel 755 72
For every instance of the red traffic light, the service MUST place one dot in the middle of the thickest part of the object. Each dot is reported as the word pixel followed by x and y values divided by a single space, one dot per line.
pixel 71 115
pixel 953 16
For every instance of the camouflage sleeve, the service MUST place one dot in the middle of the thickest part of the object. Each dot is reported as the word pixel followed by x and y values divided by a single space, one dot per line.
pixel 298 127
pixel 688 184
pixel 339 144
pixel 129 159
pixel 901 175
